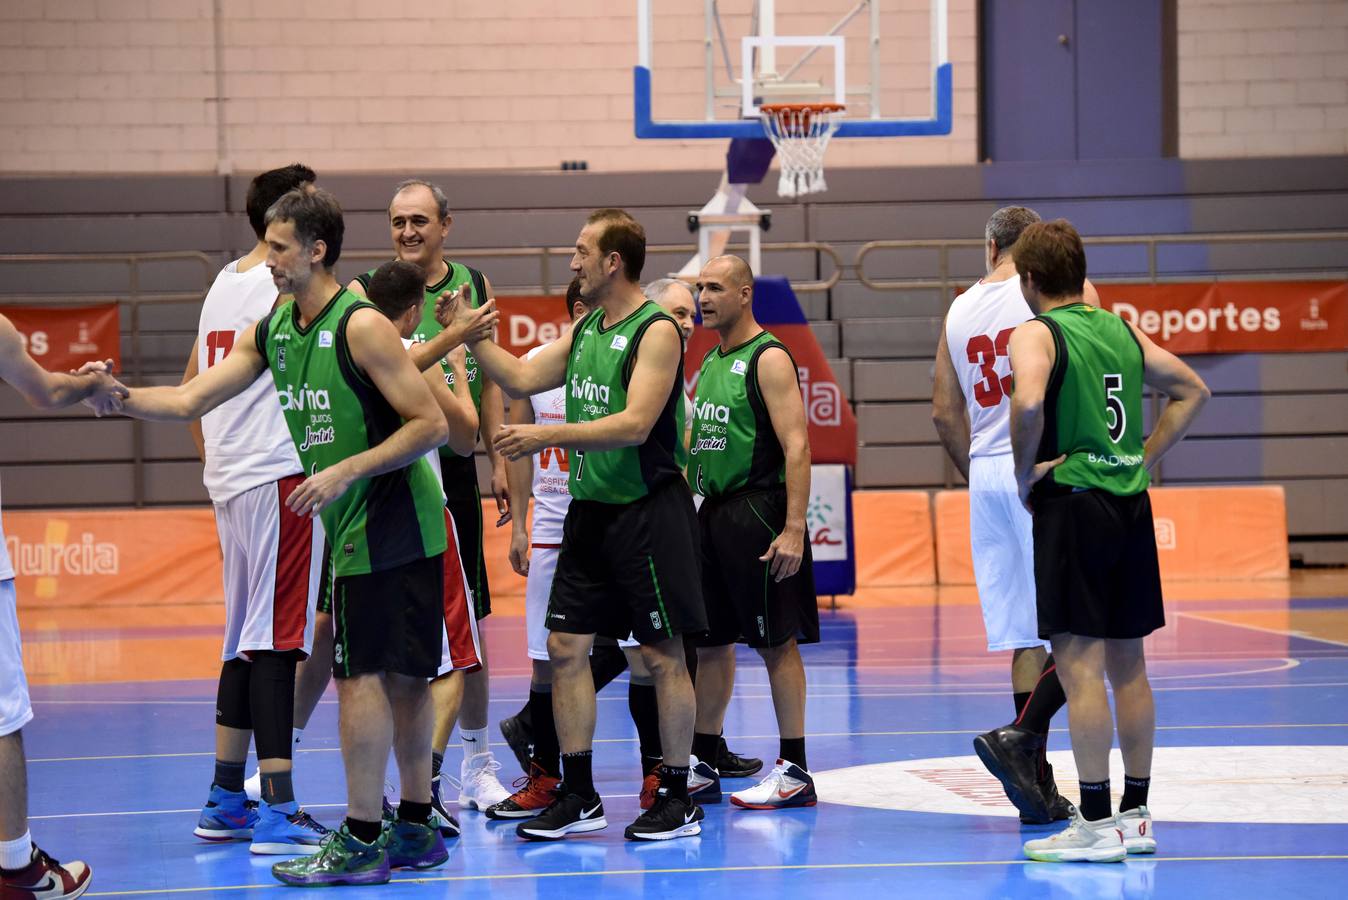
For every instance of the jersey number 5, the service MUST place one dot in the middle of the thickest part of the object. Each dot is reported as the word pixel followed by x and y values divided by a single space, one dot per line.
pixel 218 345
pixel 1118 419
pixel 983 351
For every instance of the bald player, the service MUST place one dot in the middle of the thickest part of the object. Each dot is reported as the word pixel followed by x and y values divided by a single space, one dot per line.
pixel 750 459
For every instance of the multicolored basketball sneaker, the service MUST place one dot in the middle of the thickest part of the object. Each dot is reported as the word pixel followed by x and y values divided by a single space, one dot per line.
pixel 341 859
pixel 704 782
pixel 413 845
pixel 1139 836
pixel 46 879
pixel 536 792
pixel 226 816
pixel 787 785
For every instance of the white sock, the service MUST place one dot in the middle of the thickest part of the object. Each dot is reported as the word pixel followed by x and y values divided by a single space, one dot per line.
pixel 296 734
pixel 16 854
pixel 474 741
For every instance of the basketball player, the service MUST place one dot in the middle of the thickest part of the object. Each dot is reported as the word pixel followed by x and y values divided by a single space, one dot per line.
pixel 361 417
pixel 628 561
pixel 1082 467
pixel 419 223
pixel 750 459
pixel 25 870
pixel 971 404
pixel 272 560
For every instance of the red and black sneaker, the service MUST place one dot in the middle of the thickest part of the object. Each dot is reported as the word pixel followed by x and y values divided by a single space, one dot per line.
pixel 538 792
pixel 45 879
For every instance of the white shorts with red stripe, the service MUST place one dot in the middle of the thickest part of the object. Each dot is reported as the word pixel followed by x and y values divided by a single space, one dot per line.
pixel 459 647
pixel 16 710
pixel 273 562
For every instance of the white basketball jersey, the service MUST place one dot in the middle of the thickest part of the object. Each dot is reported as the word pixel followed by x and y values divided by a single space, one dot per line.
pixel 247 442
pixel 433 456
pixel 552 488
pixel 977 332
pixel 6 567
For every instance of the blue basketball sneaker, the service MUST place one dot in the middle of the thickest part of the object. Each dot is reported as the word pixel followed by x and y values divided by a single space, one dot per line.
pixel 226 816
pixel 286 830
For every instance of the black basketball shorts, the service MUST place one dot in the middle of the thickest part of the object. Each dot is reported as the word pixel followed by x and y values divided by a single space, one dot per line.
pixel 390 621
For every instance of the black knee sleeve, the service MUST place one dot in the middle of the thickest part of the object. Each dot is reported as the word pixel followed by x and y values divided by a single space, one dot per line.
pixel 271 693
pixel 606 664
pixel 231 697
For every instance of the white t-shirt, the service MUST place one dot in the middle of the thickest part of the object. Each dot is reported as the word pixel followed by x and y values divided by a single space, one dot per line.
pixel 247 442
pixel 6 566
pixel 977 332
pixel 552 488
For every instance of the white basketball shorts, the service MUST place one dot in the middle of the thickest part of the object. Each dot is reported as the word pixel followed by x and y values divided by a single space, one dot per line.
pixel 460 648
pixel 537 590
pixel 273 563
pixel 16 710
pixel 1002 539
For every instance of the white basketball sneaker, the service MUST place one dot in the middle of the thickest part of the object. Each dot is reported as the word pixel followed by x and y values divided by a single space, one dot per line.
pixel 787 785
pixel 481 788
pixel 1082 841
pixel 252 787
pixel 1138 834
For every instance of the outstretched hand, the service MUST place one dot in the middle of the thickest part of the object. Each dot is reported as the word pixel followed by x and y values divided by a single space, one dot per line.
pixel 454 310
pixel 108 393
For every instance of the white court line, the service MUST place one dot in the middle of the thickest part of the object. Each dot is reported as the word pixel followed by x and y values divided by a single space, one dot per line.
pixel 1281 633
pixel 735 737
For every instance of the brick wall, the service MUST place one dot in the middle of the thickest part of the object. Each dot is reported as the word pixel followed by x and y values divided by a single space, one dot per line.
pixel 362 85
pixel 1263 77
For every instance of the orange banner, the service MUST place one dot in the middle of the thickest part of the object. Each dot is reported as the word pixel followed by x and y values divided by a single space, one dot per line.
pixel 66 558
pixel 62 338
pixel 1201 533
pixel 1236 316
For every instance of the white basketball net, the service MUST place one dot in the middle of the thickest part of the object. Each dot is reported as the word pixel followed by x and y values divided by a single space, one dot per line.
pixel 801 132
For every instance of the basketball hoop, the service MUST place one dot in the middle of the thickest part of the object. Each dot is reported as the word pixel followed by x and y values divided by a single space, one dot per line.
pixel 800 132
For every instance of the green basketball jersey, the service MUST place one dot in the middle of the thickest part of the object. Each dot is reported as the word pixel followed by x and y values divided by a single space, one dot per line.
pixel 333 412
pixel 597 374
pixel 1093 406
pixel 734 445
pixel 457 275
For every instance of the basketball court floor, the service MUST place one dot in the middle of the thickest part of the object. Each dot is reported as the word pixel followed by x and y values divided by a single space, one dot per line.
pixel 1250 782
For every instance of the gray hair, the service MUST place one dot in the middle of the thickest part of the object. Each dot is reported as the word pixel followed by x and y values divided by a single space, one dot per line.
pixel 1007 223
pixel 441 201
pixel 656 289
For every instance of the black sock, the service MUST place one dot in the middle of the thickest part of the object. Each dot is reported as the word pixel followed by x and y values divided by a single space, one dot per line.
pixel 1045 700
pixel 606 664
pixel 705 747
pixel 229 776
pixel 674 781
pixel 547 752
pixel 649 764
pixel 1134 792
pixel 365 832
pixel 1020 699
pixel 409 811
pixel 278 787
pixel 646 716
pixel 437 760
pixel 578 774
pixel 1095 803
pixel 792 750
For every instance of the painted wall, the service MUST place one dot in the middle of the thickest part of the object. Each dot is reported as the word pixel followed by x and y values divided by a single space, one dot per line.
pixel 131 85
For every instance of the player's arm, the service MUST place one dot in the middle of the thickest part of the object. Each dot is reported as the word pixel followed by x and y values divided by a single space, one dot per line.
pixel 378 351
pixel 949 411
pixel 786 409
pixel 206 391
pixel 517 377
pixel 520 482
pixel 1169 374
pixel 52 390
pixel 648 391
pixel 456 404
pixel 1032 353
pixel 493 417
pixel 194 427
